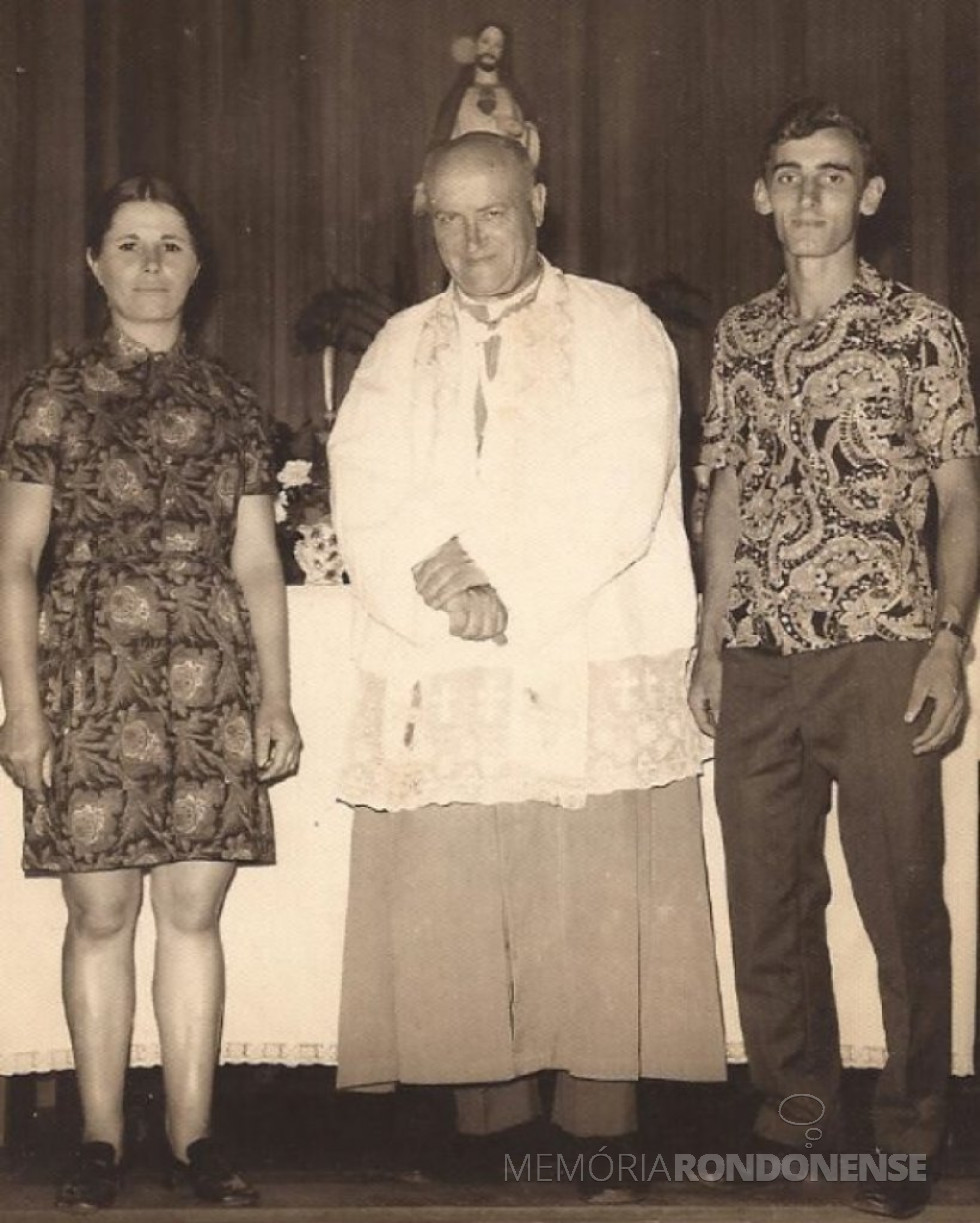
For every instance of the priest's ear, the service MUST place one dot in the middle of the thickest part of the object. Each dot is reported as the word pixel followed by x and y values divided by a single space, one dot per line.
pixel 539 195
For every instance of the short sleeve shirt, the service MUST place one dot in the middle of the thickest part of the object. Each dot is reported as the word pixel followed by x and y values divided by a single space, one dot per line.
pixel 833 432
pixel 146 453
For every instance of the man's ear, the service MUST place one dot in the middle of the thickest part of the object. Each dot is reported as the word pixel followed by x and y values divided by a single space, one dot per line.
pixel 874 189
pixel 539 195
pixel 760 198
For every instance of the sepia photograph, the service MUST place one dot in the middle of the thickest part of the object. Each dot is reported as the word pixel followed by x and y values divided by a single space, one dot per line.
pixel 489 556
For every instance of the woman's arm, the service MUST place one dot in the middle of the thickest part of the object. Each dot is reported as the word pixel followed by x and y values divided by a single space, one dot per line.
pixel 255 563
pixel 25 738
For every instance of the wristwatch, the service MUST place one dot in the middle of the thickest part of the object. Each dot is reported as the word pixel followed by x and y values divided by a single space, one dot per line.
pixel 958 631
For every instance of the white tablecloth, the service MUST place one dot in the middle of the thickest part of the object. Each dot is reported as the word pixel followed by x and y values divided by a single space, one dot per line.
pixel 283 925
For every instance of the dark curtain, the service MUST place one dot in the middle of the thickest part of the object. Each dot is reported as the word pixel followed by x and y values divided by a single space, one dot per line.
pixel 299 126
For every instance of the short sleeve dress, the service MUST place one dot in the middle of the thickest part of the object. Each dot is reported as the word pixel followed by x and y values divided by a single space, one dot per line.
pixel 147 664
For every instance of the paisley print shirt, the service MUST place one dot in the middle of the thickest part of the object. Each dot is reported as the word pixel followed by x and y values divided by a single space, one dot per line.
pixel 833 432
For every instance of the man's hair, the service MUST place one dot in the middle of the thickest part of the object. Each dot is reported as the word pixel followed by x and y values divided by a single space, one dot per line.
pixel 809 115
pixel 488 147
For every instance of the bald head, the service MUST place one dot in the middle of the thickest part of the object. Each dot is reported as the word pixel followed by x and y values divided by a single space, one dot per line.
pixel 486 209
pixel 480 153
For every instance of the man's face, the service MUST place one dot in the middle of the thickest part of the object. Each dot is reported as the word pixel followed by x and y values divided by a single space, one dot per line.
pixel 816 191
pixel 489 48
pixel 485 219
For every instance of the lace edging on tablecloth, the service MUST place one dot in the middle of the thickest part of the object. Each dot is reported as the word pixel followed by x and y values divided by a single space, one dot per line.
pixel 859 1057
pixel 254 1053
pixel 259 1053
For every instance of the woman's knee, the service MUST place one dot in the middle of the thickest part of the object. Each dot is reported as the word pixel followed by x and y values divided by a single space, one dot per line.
pixel 189 900
pixel 102 908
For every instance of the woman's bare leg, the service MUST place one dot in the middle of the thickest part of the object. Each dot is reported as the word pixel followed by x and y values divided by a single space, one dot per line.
pixel 189 990
pixel 98 985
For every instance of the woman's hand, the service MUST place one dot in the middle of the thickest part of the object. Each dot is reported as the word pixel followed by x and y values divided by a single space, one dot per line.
pixel 277 741
pixel 25 752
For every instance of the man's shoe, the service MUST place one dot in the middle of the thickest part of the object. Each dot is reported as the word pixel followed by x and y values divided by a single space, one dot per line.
pixel 93 1182
pixel 211 1178
pixel 895 1199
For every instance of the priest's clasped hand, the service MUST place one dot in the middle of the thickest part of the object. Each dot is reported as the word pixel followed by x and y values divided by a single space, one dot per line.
pixel 446 573
pixel 449 580
pixel 477 614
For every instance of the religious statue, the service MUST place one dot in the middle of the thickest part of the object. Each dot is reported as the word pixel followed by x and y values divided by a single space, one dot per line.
pixel 484 97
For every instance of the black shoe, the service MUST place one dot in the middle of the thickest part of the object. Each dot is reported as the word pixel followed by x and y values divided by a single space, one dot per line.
pixel 210 1176
pixel 611 1171
pixel 492 1158
pixel 93 1182
pixel 895 1199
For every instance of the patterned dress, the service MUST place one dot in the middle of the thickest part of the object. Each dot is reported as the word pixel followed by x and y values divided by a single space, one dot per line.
pixel 147 665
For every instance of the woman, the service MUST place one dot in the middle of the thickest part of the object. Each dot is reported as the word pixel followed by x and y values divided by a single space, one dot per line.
pixel 147 688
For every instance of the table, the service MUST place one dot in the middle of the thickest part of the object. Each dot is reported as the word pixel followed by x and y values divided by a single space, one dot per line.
pixel 283 926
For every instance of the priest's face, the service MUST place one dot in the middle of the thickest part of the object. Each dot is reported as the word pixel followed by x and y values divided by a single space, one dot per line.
pixel 486 210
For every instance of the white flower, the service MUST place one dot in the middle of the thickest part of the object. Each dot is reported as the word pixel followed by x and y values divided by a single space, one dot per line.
pixel 295 473
pixel 280 507
pixel 317 553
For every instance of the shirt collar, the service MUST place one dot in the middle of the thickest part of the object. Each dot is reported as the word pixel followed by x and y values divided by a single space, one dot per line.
pixel 868 285
pixel 123 352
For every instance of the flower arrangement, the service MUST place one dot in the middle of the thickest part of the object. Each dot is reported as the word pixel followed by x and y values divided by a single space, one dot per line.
pixel 338 322
pixel 318 554
pixel 307 543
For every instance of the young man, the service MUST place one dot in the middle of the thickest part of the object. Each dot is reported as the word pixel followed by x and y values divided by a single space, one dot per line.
pixel 826 653
pixel 527 878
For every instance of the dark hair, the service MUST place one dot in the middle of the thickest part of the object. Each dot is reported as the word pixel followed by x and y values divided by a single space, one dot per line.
pixel 133 190
pixel 808 115
pixel 136 189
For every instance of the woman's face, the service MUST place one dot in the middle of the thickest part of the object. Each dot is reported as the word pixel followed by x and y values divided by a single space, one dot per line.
pixel 146 266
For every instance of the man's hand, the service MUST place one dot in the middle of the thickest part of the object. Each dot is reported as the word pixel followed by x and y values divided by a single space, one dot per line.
pixel 25 753
pixel 446 573
pixel 939 679
pixel 477 614
pixel 704 691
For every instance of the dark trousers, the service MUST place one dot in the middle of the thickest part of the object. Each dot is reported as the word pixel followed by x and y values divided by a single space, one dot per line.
pixel 789 727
